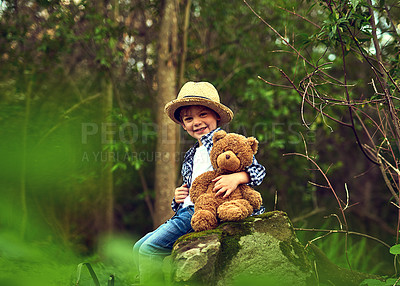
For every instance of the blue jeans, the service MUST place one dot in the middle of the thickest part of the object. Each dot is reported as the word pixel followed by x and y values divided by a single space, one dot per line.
pixel 151 249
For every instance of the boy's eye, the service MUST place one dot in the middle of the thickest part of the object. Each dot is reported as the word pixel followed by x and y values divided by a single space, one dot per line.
pixel 203 114
pixel 187 118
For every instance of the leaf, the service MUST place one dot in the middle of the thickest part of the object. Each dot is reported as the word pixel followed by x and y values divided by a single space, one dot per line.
pixel 391 281
pixel 137 164
pixel 395 249
pixel 376 282
pixel 372 282
pixel 354 3
pixel 119 165
pixel 112 43
pixel 91 271
pixel 111 280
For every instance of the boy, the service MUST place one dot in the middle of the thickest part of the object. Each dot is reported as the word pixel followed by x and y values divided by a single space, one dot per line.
pixel 199 111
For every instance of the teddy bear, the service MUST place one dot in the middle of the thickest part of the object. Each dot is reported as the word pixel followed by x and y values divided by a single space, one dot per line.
pixel 230 153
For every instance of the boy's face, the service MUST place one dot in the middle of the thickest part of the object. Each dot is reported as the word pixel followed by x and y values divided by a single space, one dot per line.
pixel 198 120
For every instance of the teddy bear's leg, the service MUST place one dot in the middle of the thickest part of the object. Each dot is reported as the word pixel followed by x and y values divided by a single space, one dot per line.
pixel 234 210
pixel 252 196
pixel 205 214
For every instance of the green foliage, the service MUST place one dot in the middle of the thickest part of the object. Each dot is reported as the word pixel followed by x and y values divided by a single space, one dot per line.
pixel 341 18
pixel 260 280
pixel 48 263
pixel 90 269
pixel 345 36
pixel 361 252
pixel 375 282
pixel 115 266
pixel 40 263
pixel 395 249
pixel 55 58
pixel 134 137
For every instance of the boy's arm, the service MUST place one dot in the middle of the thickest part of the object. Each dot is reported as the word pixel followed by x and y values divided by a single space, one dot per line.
pixel 228 183
pixel 253 176
pixel 180 194
pixel 256 172
pixel 174 205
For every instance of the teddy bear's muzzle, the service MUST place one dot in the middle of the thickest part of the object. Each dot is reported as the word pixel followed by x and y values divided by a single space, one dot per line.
pixel 228 161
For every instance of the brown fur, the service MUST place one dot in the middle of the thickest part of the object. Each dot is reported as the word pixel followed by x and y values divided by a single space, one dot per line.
pixel 230 153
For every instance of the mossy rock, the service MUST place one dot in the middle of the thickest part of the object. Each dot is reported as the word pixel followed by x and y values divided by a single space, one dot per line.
pixel 261 250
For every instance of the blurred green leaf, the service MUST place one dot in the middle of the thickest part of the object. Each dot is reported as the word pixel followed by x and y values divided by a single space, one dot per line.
pixel 395 249
pixel 91 272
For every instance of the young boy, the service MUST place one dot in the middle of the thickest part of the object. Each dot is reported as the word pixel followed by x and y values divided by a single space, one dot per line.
pixel 199 111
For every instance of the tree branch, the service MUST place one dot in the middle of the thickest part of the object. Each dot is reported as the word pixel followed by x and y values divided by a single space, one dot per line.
pixel 63 117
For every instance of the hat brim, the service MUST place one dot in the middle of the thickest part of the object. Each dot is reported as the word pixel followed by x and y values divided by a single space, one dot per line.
pixel 172 107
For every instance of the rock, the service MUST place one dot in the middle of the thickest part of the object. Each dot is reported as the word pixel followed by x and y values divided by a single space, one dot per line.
pixel 259 250
pixel 198 261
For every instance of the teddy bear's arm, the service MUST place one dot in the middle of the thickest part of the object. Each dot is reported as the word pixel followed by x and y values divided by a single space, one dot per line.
pixel 252 196
pixel 201 184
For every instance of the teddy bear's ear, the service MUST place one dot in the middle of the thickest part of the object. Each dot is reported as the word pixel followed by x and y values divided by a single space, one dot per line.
pixel 253 144
pixel 218 135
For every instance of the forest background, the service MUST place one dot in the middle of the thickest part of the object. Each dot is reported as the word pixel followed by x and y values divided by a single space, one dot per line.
pixel 89 162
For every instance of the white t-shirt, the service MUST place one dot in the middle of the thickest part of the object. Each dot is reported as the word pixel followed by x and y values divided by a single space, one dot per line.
pixel 201 164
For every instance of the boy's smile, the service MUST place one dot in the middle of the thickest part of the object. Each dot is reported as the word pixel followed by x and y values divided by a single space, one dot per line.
pixel 198 120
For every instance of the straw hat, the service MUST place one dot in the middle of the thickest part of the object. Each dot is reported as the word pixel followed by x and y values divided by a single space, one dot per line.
pixel 198 93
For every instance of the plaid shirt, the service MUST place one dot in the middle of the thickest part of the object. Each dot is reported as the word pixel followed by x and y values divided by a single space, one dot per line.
pixel 256 171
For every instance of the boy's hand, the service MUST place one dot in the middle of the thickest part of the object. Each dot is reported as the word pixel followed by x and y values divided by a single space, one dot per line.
pixel 181 193
pixel 228 183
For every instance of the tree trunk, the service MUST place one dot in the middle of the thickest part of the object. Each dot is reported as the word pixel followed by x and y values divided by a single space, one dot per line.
pixel 184 42
pixel 108 135
pixel 24 207
pixel 107 175
pixel 165 157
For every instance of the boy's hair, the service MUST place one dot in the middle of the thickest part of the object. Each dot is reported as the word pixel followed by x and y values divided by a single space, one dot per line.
pixel 181 111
